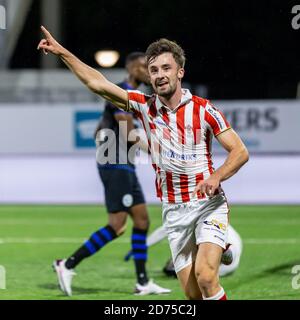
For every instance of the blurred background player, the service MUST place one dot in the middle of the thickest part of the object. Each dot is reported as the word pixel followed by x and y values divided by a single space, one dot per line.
pixel 123 193
pixel 230 259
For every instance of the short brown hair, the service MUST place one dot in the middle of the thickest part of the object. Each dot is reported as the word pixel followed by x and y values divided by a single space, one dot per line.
pixel 164 45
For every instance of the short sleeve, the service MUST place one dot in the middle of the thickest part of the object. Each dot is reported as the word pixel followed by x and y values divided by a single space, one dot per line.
pixel 136 100
pixel 216 119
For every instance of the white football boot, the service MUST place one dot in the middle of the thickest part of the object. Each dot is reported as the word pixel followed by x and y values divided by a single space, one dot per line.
pixel 149 288
pixel 64 276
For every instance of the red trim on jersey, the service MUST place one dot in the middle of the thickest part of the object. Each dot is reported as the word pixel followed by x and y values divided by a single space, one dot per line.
pixel 199 177
pixel 208 155
pixel 184 187
pixel 170 188
pixel 196 123
pixel 137 97
pixel 180 124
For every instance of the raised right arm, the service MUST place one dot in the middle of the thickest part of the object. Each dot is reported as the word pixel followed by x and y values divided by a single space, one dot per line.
pixel 92 78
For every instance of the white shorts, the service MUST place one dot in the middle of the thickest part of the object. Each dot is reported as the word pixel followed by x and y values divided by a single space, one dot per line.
pixel 191 223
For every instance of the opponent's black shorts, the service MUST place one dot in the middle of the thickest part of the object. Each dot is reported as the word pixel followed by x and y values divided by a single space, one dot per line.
pixel 122 188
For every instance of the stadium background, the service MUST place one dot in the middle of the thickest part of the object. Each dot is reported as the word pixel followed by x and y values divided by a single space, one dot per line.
pixel 243 57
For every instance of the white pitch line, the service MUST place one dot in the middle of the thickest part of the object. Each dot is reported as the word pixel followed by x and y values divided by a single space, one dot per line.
pixel 58 240
pixel 272 241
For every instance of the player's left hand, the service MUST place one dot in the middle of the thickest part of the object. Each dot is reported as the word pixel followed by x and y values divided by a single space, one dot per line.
pixel 49 44
pixel 208 186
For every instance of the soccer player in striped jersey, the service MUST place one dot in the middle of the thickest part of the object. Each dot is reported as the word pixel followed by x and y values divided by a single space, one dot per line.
pixel 179 127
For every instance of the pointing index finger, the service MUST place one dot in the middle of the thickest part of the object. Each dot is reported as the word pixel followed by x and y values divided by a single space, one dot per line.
pixel 46 32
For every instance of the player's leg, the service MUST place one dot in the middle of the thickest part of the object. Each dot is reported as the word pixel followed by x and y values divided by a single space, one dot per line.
pixel 156 236
pixel 207 271
pixel 188 282
pixel 211 238
pixel 179 223
pixel 139 248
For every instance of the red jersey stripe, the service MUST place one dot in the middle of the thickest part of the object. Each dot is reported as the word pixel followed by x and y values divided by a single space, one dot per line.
pixel 184 187
pixel 170 187
pixel 152 110
pixel 180 114
pixel 196 123
pixel 213 123
pixel 166 131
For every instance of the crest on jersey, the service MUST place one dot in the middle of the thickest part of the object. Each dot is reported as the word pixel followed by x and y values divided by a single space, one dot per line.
pixel 189 128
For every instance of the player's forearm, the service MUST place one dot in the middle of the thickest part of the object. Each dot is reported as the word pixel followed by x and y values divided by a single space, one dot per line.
pixel 92 78
pixel 234 161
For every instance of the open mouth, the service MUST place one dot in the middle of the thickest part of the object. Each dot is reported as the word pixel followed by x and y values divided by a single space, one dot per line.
pixel 162 84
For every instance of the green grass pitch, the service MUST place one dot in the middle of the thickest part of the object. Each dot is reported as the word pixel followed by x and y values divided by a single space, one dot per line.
pixel 31 237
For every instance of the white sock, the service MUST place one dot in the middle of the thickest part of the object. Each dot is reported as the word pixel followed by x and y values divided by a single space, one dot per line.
pixel 217 296
pixel 156 236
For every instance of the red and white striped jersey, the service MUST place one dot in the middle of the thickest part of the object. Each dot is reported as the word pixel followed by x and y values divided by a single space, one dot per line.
pixel 179 140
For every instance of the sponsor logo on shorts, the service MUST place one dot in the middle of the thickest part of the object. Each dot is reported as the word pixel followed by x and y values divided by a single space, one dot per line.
pixel 217 224
pixel 127 200
pixel 219 238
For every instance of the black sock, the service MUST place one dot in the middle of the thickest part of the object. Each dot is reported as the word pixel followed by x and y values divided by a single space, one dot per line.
pixel 139 252
pixel 97 240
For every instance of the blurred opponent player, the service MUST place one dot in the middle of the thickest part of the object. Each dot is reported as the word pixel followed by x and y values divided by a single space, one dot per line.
pixel 123 193
pixel 179 128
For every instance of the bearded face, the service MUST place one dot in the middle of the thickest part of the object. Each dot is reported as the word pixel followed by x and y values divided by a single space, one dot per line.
pixel 165 74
